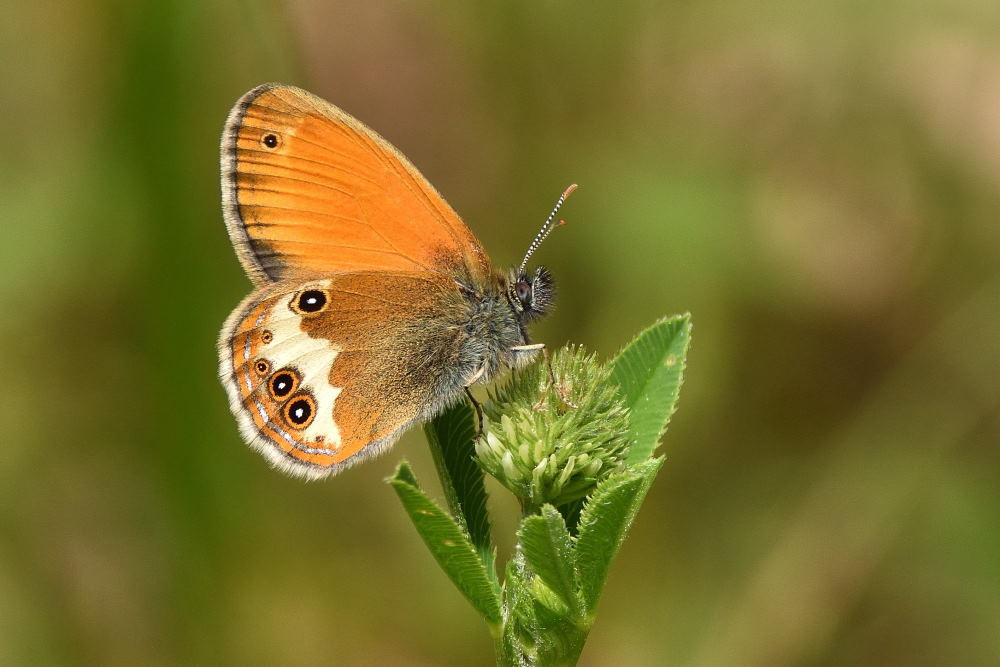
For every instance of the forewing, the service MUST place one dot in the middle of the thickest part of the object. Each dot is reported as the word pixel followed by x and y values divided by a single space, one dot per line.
pixel 322 374
pixel 309 190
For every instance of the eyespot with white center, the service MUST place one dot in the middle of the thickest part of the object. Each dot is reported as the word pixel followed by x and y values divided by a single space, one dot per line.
pixel 283 383
pixel 309 302
pixel 300 410
pixel 270 140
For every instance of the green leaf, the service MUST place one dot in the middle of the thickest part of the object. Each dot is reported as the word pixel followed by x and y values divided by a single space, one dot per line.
pixel 451 436
pixel 649 371
pixel 547 601
pixel 571 514
pixel 548 552
pixel 519 643
pixel 450 546
pixel 536 630
pixel 605 521
pixel 561 638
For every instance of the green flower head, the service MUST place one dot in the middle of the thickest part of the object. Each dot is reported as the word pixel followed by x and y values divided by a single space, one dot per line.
pixel 552 442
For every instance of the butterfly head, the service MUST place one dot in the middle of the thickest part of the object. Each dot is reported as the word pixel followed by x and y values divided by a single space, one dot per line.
pixel 531 294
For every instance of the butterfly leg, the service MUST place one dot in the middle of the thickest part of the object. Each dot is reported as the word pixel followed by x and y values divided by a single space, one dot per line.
pixel 553 384
pixel 479 412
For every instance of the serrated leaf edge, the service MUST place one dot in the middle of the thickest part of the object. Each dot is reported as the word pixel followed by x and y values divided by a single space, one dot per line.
pixel 403 481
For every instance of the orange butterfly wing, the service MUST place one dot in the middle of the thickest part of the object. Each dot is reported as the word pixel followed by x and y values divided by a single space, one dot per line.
pixel 309 190
pixel 316 392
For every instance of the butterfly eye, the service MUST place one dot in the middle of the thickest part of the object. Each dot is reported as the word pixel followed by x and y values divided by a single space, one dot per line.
pixel 270 139
pixel 262 367
pixel 523 291
pixel 300 410
pixel 309 301
pixel 283 384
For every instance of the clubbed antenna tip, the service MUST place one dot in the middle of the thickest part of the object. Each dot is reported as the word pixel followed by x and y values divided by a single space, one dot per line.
pixel 547 227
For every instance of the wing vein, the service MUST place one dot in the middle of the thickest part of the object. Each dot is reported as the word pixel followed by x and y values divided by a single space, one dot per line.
pixel 290 157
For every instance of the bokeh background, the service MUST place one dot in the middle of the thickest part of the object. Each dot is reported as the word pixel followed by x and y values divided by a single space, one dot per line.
pixel 817 183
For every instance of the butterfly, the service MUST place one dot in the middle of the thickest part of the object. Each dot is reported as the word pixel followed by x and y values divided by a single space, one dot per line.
pixel 374 308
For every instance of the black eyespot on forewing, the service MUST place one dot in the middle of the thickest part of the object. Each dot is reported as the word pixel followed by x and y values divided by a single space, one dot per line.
pixel 300 410
pixel 283 383
pixel 309 301
pixel 270 139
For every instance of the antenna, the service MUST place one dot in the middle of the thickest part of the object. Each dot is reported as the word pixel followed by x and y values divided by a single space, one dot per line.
pixel 547 227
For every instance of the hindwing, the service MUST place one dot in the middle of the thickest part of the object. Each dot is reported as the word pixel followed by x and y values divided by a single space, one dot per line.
pixel 325 373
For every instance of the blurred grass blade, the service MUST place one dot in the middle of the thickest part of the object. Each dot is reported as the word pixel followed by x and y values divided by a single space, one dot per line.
pixel 450 436
pixel 649 371
pixel 449 545
pixel 548 552
pixel 605 521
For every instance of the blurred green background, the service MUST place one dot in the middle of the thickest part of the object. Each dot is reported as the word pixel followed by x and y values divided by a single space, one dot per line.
pixel 817 183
